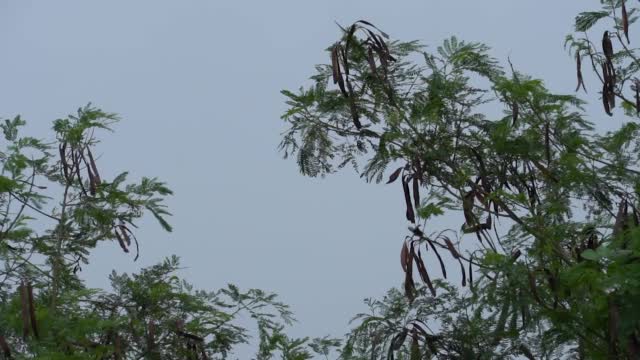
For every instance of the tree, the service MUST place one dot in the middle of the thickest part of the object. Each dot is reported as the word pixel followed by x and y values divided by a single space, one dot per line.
pixel 554 271
pixel 55 208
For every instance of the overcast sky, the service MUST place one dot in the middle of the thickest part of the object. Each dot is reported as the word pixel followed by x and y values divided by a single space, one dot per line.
pixel 198 83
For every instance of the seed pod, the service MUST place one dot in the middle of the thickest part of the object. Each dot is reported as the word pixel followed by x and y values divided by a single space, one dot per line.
pixel 407 197
pixel 625 21
pixel 121 241
pixel 24 304
pixel 394 175
pixel 547 143
pixel 451 248
pixel 607 46
pixel 464 274
pixel 125 234
pixel 63 160
pixel 470 273
pixel 621 218
pixel 32 311
pixel 579 72
pixel 515 255
pixel 409 286
pixel 94 168
pixel 404 256
pixel 416 191
pixel 605 100
pixel 442 267
pixel 424 275
pixel 335 60
pixel 515 111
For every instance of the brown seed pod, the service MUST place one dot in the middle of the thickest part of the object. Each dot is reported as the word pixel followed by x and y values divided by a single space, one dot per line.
pixel 515 112
pixel 407 197
pixel 464 274
pixel 6 351
pixel 467 208
pixel 579 72
pixel 607 46
pixel 625 21
pixel 337 74
pixel 24 305
pixel 605 99
pixel 394 175
pixel 63 160
pixel 409 285
pixel 125 234
pixel 94 168
pixel 452 249
pixel 442 267
pixel 422 270
pixel 416 191
pixel 404 256
pixel 547 143
pixel 32 311
pixel 121 241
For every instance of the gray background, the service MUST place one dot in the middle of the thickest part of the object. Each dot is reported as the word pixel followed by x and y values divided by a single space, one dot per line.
pixel 197 85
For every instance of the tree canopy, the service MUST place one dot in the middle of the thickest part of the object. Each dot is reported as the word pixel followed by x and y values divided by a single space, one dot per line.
pixel 549 245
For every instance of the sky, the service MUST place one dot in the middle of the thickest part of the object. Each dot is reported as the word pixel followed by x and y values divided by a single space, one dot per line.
pixel 197 85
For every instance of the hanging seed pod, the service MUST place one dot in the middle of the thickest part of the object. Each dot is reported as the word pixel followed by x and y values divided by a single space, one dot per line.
pixel 452 249
pixel 547 143
pixel 398 340
pixel 579 72
pixel 424 275
pixel 607 46
pixel 416 191
pixel 464 274
pixel 605 100
pixel 394 176
pixel 94 168
pixel 24 305
pixel 515 111
pixel 442 267
pixel 409 285
pixel 373 26
pixel 6 351
pixel 125 234
pixel 404 256
pixel 92 182
pixel 63 160
pixel 407 197
pixel 470 272
pixel 337 74
pixel 32 311
pixel 625 22
pixel 121 241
